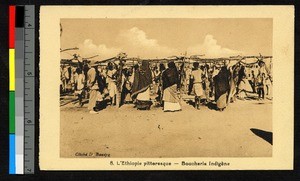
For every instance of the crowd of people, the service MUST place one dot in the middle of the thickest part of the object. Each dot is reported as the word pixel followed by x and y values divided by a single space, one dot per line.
pixel 163 85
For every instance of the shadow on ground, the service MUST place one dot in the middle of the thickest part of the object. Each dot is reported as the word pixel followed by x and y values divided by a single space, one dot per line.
pixel 191 103
pixel 212 106
pixel 267 136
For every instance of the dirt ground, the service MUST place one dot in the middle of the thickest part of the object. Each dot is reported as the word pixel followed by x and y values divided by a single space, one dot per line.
pixel 243 129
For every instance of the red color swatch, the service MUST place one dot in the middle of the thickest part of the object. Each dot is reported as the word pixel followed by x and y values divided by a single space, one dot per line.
pixel 11 26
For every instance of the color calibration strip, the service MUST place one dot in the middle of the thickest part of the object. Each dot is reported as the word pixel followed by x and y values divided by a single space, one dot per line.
pixel 21 43
pixel 12 138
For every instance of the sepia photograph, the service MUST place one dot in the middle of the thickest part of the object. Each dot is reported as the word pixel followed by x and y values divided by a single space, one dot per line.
pixel 166 87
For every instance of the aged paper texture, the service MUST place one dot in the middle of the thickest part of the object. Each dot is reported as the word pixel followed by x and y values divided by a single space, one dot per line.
pixel 244 124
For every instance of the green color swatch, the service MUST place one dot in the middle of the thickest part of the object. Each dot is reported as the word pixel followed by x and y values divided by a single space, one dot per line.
pixel 11 112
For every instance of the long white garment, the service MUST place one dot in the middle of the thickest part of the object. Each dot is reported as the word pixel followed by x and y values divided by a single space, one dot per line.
pixel 144 96
pixel 80 81
pixel 170 106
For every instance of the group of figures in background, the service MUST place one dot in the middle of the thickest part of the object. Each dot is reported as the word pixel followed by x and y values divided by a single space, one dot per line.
pixel 164 84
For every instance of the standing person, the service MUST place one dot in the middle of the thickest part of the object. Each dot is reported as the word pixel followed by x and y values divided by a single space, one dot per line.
pixel 65 77
pixel 92 85
pixel 182 76
pixel 102 92
pixel 253 81
pixel 141 86
pixel 262 68
pixel 187 73
pixel 197 84
pixel 156 77
pixel 171 84
pixel 243 83
pixel 131 79
pixel 162 68
pixel 211 83
pixel 80 62
pixel 62 79
pixel 233 82
pixel 111 78
pixel 85 68
pixel 191 81
pixel 206 82
pixel 120 80
pixel 221 82
pixel 260 86
pixel 72 78
pixel 268 86
pixel 79 82
pixel 127 86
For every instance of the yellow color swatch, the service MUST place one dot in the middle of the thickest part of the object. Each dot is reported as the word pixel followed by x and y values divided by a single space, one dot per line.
pixel 12 70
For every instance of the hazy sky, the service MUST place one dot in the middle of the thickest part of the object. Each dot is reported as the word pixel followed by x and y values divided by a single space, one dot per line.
pixel 150 38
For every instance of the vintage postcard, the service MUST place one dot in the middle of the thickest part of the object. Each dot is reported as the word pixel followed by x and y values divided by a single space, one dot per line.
pixel 166 87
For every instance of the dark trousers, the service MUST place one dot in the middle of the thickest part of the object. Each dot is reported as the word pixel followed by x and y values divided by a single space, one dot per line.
pixel 191 86
pixel 261 92
pixel 252 86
